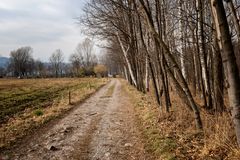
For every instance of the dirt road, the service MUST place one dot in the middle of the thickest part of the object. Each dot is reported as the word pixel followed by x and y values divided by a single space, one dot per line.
pixel 102 128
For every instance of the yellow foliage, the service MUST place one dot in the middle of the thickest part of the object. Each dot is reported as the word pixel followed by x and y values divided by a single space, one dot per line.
pixel 100 70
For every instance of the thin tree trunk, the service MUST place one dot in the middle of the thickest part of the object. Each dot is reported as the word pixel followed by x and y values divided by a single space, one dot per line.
pixel 160 52
pixel 126 74
pixel 203 55
pixel 181 44
pixel 217 76
pixel 200 68
pixel 146 76
pixel 165 88
pixel 125 51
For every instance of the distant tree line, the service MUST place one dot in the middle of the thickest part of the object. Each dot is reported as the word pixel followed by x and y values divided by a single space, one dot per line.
pixel 83 62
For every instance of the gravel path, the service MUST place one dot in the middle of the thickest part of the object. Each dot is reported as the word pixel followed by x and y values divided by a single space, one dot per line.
pixel 101 128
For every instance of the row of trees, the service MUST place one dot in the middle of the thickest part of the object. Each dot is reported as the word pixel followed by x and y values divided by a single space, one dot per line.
pixel 82 63
pixel 191 45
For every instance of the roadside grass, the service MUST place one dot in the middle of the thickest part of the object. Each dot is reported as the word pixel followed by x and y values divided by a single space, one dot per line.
pixel 156 143
pixel 27 104
pixel 173 135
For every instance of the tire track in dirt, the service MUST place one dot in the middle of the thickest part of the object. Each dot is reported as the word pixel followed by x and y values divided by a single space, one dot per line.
pixel 102 128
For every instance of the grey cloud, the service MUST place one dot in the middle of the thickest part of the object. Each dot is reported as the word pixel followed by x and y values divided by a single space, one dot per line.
pixel 38 24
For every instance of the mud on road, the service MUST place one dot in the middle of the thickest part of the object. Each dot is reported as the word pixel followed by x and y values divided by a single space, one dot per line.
pixel 101 128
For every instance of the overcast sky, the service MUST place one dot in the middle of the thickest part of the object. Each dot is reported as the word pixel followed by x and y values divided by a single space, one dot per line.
pixel 45 25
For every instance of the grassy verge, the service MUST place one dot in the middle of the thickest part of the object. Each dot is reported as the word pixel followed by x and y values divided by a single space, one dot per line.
pixel 157 144
pixel 173 135
pixel 28 104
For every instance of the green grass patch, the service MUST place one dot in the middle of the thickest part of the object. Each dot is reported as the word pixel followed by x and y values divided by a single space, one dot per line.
pixel 38 112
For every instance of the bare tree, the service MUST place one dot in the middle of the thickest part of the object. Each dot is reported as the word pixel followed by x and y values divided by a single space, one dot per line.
pixel 56 61
pixel 86 52
pixel 20 59
pixel 84 55
pixel 76 62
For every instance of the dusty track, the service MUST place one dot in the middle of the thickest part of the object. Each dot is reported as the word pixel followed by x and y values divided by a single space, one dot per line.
pixel 102 128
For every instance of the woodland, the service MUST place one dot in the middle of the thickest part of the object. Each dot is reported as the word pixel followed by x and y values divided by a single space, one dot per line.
pixel 190 48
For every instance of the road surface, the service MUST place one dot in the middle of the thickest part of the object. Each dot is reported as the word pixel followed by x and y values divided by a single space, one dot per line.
pixel 101 128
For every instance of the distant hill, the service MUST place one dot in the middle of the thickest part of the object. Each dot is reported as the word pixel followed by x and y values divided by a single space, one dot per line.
pixel 4 61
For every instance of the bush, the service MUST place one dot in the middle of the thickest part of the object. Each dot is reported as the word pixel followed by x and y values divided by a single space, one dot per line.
pixel 100 70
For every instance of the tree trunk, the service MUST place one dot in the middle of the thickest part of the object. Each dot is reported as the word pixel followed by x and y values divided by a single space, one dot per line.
pixel 217 76
pixel 146 76
pixel 127 60
pixel 181 44
pixel 126 73
pixel 202 52
pixel 229 61
pixel 200 68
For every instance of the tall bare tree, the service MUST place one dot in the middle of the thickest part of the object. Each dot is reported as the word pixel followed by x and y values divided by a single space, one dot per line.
pixel 20 59
pixel 56 61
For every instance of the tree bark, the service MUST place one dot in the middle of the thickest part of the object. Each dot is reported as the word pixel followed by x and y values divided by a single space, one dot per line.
pixel 146 76
pixel 229 61
pixel 217 76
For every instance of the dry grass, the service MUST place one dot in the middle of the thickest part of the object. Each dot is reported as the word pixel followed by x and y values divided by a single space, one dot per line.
pixel 174 136
pixel 20 122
